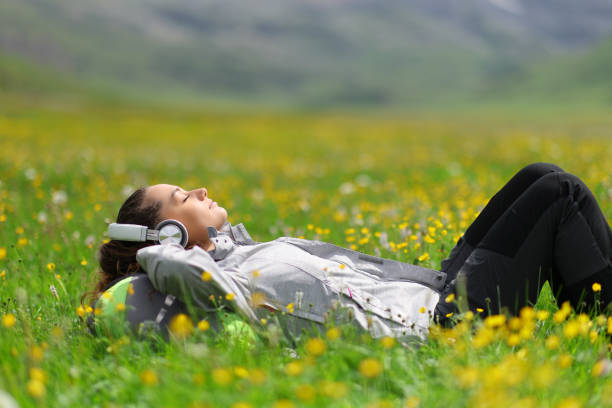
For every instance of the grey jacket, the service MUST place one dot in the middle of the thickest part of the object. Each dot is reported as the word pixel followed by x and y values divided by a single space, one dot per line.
pixel 303 280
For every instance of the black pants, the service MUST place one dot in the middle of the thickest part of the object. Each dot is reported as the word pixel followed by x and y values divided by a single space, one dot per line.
pixel 543 225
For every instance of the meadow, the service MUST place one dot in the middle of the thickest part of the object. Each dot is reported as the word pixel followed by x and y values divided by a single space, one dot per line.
pixel 400 186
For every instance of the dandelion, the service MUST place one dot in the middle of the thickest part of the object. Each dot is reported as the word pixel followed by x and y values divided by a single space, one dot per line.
pixel 450 298
pixel 596 287
pixel 36 354
pixel 305 392
pixel 423 257
pixel 120 307
pixel 2 253
pixel 8 320
pixel 36 388
pixel 230 296
pixel 570 402
pixel 290 307
pixel 83 262
pixel 206 276
pixel 494 321
pixel 181 326
pixel 552 342
pixel 38 374
pixel 422 309
pixel 333 333
pixel 387 342
pixel 222 376
pixel 241 372
pixel 412 402
pixel 467 377
pixel 283 403
pixel 565 360
pixel 571 329
pixel 315 347
pixel 130 289
pixel 203 325
pixel 370 367
pixel 21 242
pixel 333 389
pixel 257 376
pixel 294 368
pixel 542 314
pixel 149 377
pixel 51 266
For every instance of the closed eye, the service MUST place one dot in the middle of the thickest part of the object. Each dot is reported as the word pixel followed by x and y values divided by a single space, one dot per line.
pixel 186 198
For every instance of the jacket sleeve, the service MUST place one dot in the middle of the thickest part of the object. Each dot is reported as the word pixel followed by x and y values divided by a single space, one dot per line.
pixel 176 271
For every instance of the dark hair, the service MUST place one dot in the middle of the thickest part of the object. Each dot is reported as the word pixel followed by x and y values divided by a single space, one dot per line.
pixel 118 258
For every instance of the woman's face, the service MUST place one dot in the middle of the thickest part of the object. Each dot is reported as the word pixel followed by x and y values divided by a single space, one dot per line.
pixel 193 208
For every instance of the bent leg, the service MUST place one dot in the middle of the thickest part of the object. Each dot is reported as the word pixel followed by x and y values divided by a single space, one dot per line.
pixel 496 206
pixel 553 231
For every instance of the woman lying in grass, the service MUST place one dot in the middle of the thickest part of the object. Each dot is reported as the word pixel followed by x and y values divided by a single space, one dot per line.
pixel 543 225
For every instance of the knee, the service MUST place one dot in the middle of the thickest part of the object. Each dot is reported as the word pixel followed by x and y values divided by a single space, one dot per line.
pixel 539 169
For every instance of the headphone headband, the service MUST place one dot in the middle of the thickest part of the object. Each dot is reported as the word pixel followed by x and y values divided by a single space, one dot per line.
pixel 166 232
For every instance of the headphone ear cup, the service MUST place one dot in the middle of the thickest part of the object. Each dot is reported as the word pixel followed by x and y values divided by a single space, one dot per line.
pixel 172 232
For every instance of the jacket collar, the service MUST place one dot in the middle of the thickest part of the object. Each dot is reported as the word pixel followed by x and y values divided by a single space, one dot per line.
pixel 227 238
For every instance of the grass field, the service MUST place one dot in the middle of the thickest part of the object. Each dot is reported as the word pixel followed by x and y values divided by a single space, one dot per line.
pixel 348 179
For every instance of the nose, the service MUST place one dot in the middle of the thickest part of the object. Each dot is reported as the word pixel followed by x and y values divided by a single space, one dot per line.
pixel 201 193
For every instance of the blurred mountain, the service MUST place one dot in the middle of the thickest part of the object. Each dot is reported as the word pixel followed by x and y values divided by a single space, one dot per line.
pixel 309 52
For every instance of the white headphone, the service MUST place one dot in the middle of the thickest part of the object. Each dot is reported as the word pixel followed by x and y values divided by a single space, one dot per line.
pixel 166 232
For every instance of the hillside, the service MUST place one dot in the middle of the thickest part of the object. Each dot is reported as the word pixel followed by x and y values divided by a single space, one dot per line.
pixel 315 53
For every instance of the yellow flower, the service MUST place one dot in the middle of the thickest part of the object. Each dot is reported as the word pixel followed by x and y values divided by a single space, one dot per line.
pixel 19 230
pixel 80 311
pixel 429 239
pixel 596 287
pixel 599 368
pixel 565 360
pixel 570 402
pixel 283 403
pixel 571 329
pixel 258 376
pixel 22 241
pixel 294 368
pixel 181 326
pixel 422 309
pixel 230 296
pixel 206 276
pixel 241 372
pixel 423 257
pixel 36 388
pixel 120 307
pixel 370 367
pixel 412 402
pixel 290 307
pixel 315 346
pixel 494 321
pixel 203 325
pixel 83 262
pixel 2 253
pixel 149 377
pixel 222 376
pixel 68 215
pixel 387 342
pixel 552 342
pixel 333 333
pixel 241 404
pixel 38 374
pixel 333 389
pixel 305 392
pixel 450 298
pixel 51 266
pixel 130 289
pixel 8 320
pixel 467 377
pixel 542 314
pixel 36 353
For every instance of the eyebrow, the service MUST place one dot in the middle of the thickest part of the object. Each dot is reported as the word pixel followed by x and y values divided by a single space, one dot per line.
pixel 174 192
